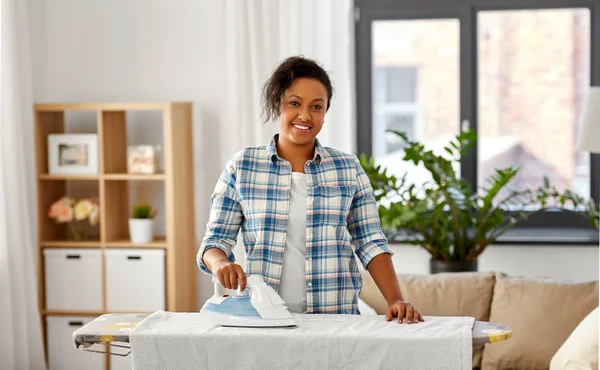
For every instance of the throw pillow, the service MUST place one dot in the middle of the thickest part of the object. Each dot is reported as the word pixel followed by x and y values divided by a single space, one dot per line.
pixel 580 351
pixel 542 313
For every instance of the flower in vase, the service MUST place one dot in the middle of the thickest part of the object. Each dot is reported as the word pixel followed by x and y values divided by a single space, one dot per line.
pixel 61 210
pixel 95 215
pixel 83 209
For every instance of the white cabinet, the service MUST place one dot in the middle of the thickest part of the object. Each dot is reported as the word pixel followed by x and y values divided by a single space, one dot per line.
pixel 135 280
pixel 62 354
pixel 73 279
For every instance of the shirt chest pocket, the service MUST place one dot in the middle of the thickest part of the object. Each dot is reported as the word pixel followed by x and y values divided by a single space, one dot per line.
pixel 332 204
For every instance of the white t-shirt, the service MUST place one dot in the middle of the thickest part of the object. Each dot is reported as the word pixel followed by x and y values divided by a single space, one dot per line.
pixel 292 288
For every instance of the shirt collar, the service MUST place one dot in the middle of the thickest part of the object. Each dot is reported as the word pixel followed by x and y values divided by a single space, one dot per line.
pixel 273 156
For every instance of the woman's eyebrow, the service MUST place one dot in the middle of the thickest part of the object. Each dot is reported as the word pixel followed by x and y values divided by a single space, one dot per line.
pixel 296 96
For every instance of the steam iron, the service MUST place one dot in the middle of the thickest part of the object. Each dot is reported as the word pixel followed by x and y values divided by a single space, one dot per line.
pixel 258 305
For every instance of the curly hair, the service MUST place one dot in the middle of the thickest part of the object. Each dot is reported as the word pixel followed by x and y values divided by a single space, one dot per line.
pixel 282 78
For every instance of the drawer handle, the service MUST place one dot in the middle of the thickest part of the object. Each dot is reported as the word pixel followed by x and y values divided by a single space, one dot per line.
pixel 73 256
pixel 75 323
pixel 134 257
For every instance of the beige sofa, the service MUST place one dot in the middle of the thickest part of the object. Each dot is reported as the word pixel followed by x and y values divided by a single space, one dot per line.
pixel 542 312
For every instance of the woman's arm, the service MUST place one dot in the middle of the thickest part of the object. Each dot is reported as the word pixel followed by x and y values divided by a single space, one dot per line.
pixel 382 271
pixel 215 255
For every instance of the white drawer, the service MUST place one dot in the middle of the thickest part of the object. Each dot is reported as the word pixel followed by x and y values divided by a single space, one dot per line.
pixel 73 279
pixel 135 280
pixel 62 354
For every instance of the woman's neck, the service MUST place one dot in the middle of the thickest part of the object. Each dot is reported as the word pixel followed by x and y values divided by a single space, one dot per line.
pixel 297 155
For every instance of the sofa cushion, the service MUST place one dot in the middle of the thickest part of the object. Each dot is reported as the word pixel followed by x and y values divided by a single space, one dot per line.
pixel 447 294
pixel 580 350
pixel 542 313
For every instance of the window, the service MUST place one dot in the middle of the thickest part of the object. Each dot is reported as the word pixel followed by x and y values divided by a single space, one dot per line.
pixel 395 106
pixel 517 74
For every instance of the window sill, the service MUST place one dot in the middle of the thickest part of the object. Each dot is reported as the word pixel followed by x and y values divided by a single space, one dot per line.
pixel 536 237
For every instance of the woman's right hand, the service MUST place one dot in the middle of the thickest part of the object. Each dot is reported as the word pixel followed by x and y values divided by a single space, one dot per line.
pixel 228 274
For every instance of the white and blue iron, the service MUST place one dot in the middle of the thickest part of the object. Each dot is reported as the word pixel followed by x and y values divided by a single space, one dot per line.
pixel 258 305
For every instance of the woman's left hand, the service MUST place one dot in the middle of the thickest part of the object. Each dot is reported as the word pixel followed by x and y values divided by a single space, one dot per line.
pixel 401 310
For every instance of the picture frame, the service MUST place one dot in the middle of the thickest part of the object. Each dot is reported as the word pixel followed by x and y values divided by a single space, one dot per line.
pixel 73 154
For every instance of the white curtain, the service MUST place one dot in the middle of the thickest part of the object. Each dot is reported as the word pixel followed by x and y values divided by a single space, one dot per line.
pixel 262 33
pixel 20 331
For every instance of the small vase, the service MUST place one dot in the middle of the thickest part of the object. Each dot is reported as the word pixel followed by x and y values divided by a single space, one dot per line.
pixel 140 230
pixel 76 231
pixel 437 266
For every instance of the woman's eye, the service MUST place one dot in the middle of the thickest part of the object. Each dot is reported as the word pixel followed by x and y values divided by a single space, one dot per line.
pixel 317 107
pixel 294 103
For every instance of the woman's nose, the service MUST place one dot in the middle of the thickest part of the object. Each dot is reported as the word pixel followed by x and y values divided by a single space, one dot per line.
pixel 304 115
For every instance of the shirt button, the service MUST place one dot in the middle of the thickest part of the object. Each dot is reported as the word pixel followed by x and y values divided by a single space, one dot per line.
pixel 310 310
pixel 310 258
pixel 309 284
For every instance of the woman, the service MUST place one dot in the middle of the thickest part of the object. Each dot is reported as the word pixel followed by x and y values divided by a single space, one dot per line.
pixel 305 210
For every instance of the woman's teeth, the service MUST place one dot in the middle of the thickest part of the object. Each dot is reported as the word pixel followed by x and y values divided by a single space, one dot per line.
pixel 301 127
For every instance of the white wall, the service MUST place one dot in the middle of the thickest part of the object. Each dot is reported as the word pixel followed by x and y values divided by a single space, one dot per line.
pixel 579 263
pixel 134 50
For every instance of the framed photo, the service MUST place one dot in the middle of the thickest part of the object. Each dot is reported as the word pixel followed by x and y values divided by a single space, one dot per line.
pixel 73 154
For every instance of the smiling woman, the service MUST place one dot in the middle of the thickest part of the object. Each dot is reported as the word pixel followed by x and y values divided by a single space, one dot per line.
pixel 305 210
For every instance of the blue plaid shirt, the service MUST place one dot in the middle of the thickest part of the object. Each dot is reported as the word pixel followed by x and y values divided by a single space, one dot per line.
pixel 253 193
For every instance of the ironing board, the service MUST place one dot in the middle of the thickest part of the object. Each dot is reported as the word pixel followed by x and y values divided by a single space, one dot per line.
pixel 114 328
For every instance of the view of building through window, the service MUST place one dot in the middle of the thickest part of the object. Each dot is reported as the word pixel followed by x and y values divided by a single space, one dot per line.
pixel 533 72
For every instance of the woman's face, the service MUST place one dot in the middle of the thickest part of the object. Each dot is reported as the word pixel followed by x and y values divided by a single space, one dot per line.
pixel 302 111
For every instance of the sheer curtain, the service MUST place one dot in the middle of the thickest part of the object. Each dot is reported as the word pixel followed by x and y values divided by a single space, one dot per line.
pixel 21 339
pixel 262 33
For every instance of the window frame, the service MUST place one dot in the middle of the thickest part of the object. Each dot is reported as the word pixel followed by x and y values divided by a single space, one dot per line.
pixel 544 228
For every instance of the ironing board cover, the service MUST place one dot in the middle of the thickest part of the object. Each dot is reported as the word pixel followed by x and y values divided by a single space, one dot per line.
pixel 115 327
pixel 108 328
pixel 189 341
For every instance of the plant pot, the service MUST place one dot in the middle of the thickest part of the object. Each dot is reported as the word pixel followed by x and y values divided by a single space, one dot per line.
pixel 437 266
pixel 141 230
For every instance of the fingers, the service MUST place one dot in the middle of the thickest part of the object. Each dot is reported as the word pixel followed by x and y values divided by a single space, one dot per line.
pixel 416 316
pixel 401 312
pixel 242 277
pixel 233 279
pixel 409 313
pixel 391 312
pixel 228 276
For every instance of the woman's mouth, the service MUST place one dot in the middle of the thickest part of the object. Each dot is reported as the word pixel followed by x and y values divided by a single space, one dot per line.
pixel 301 128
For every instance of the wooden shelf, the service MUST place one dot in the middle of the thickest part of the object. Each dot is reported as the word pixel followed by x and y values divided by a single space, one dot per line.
pixel 134 177
pixel 116 191
pixel 125 106
pixel 158 242
pixel 45 176
pixel 71 244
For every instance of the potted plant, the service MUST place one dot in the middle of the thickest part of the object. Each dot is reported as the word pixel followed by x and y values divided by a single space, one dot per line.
pixel 141 223
pixel 446 217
